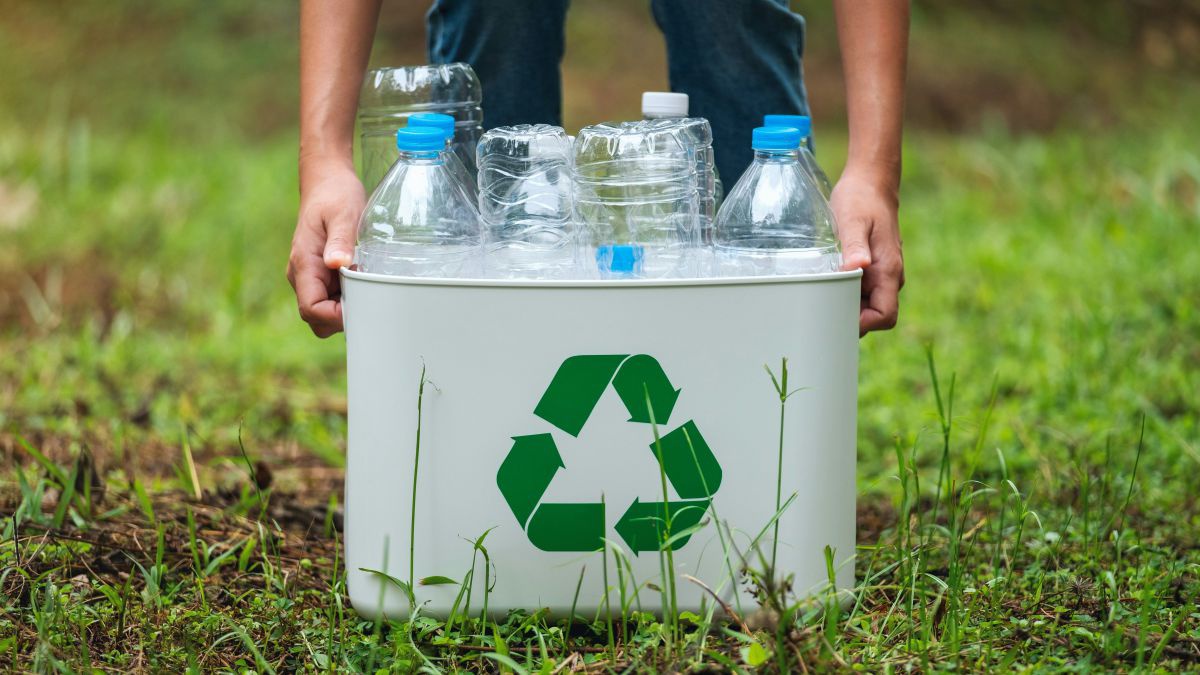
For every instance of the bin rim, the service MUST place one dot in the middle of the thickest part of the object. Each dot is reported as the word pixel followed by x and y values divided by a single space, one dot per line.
pixel 598 283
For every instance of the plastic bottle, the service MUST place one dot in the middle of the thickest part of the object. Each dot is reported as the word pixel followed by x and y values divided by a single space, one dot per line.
pixel 803 123
pixel 775 220
pixel 418 222
pixel 390 95
pixel 635 194
pixel 696 133
pixel 445 124
pixel 525 202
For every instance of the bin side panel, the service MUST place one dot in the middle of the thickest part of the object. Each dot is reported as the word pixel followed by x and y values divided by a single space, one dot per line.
pixel 490 354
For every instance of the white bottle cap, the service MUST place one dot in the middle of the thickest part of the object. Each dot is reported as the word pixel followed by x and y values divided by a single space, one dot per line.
pixel 664 104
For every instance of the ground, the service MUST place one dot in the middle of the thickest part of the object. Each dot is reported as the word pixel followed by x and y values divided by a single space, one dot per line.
pixel 172 437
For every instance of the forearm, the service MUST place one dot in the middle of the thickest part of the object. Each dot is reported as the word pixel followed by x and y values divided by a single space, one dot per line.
pixel 335 44
pixel 873 35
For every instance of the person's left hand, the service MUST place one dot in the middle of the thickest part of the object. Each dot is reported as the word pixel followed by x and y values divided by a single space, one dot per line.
pixel 865 208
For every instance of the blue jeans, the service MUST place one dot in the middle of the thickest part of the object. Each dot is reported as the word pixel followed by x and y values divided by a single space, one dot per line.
pixel 735 59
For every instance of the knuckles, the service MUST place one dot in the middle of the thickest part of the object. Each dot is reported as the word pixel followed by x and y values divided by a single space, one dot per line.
pixel 321 326
pixel 884 321
pixel 294 264
pixel 306 314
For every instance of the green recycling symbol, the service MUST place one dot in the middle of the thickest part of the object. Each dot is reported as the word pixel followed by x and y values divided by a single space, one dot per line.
pixel 534 460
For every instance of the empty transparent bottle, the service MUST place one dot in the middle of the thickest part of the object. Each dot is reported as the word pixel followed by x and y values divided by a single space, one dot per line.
pixel 635 194
pixel 390 95
pixel 775 221
pixel 525 202
pixel 696 134
pixel 445 124
pixel 803 124
pixel 418 222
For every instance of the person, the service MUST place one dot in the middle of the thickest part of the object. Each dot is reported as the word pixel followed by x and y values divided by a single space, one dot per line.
pixel 736 59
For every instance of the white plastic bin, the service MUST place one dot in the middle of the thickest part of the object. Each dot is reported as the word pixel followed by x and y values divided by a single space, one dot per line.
pixel 534 430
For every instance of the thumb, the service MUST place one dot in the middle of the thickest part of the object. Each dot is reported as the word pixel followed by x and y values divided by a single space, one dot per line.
pixel 340 231
pixel 856 249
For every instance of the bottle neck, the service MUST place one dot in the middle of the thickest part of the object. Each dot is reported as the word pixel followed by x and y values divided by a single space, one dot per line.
pixel 776 155
pixel 421 156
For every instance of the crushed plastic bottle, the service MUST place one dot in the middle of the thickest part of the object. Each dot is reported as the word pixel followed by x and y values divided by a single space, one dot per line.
pixel 803 124
pixel 775 220
pixel 696 134
pixel 525 202
pixel 418 222
pixel 390 95
pixel 636 198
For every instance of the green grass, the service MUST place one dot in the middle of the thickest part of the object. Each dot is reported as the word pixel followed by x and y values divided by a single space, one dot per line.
pixel 1029 436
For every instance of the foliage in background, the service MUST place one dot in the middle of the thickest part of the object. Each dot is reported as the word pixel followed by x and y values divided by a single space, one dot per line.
pixel 150 349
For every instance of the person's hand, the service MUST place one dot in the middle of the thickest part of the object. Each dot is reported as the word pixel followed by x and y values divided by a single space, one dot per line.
pixel 865 208
pixel 331 201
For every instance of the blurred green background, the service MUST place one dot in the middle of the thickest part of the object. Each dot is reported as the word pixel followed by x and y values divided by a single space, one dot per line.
pixel 148 194
pixel 1050 209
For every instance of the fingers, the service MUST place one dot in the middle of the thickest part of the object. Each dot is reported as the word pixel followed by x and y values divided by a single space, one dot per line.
pixel 316 285
pixel 330 205
pixel 856 249
pixel 880 308
pixel 318 306
pixel 342 231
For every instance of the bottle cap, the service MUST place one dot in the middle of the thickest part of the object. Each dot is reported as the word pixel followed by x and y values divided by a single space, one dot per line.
pixel 775 138
pixel 626 258
pixel 801 122
pixel 444 123
pixel 416 139
pixel 664 104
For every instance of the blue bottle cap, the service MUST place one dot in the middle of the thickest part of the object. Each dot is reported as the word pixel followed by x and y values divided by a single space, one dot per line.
pixel 801 122
pixel 416 139
pixel 626 259
pixel 433 120
pixel 775 138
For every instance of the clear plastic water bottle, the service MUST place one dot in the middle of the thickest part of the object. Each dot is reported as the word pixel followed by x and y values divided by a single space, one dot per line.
pixel 525 202
pixel 418 222
pixel 696 133
pixel 775 221
pixel 390 95
pixel 445 124
pixel 635 194
pixel 803 123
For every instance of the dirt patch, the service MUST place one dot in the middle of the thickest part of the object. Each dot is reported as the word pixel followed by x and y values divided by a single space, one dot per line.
pixel 301 489
pixel 875 515
pixel 286 467
pixel 41 299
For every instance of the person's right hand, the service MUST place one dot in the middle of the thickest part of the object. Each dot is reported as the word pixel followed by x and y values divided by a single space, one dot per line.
pixel 331 201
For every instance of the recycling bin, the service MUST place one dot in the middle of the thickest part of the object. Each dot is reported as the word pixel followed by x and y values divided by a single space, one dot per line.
pixel 542 444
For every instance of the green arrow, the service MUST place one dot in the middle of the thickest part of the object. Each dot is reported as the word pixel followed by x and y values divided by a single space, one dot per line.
pixel 527 472
pixel 641 375
pixel 692 475
pixel 567 527
pixel 643 524
pixel 576 388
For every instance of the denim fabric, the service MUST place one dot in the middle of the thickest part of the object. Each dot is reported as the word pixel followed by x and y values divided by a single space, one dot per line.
pixel 515 46
pixel 736 60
